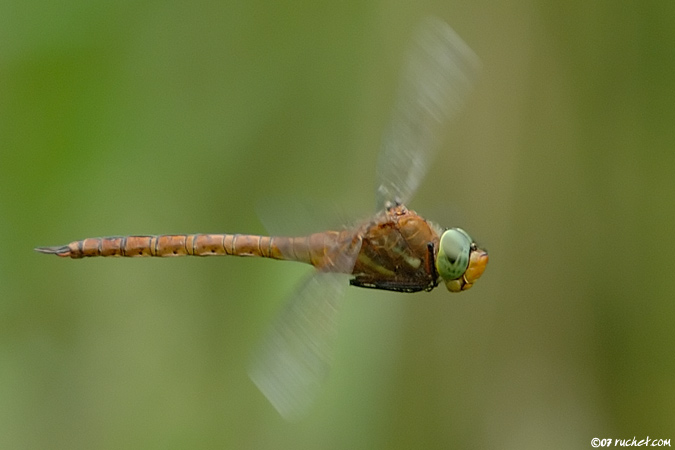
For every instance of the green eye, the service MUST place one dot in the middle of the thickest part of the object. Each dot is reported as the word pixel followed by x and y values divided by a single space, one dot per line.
pixel 453 254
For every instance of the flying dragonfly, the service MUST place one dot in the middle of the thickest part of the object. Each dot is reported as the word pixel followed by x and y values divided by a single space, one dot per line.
pixel 395 250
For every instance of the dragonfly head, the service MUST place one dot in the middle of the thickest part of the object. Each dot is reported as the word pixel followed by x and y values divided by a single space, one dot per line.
pixel 459 261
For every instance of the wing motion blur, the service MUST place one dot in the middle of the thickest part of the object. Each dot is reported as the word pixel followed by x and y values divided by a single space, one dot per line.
pixel 439 73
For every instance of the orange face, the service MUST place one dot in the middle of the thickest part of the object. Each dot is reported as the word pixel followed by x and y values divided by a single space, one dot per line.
pixel 477 262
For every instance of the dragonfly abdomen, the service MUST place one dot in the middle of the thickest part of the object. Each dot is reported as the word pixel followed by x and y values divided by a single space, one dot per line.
pixel 167 245
pixel 311 249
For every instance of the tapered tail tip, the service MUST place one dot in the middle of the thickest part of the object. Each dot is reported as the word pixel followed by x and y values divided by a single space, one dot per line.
pixel 62 251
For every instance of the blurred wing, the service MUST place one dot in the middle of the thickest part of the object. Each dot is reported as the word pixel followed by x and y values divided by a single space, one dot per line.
pixel 439 73
pixel 300 214
pixel 295 357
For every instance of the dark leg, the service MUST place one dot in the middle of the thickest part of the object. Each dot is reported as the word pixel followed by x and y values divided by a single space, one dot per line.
pixel 431 262
pixel 389 285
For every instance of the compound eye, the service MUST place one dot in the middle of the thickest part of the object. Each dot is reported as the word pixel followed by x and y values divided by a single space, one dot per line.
pixel 453 254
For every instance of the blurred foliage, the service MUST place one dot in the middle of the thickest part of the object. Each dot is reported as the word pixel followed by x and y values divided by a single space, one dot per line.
pixel 160 117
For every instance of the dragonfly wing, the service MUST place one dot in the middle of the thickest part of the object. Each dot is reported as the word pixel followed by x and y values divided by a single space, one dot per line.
pixel 438 75
pixel 299 215
pixel 295 357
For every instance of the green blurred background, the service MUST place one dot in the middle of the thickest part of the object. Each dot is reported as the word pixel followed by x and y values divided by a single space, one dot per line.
pixel 171 117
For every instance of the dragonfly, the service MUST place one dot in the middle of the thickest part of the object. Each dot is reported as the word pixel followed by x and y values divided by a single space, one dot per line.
pixel 395 250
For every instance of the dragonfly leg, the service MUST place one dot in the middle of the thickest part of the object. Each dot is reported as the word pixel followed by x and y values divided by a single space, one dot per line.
pixel 431 263
pixel 391 285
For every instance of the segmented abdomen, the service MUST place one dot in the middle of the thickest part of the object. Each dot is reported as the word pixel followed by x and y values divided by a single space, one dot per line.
pixel 312 249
